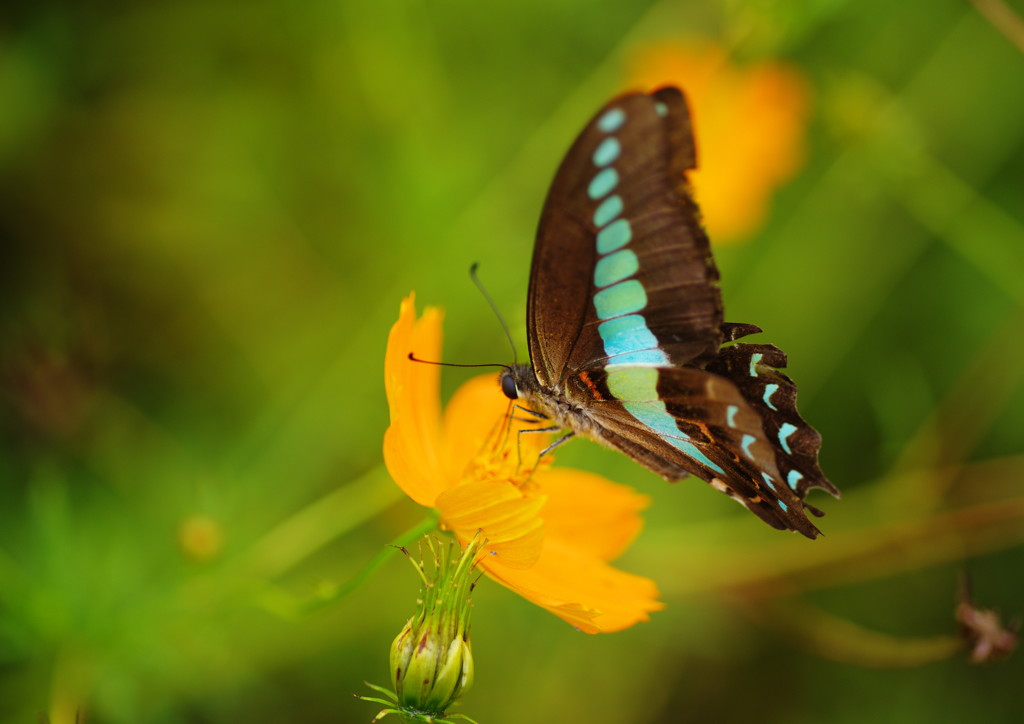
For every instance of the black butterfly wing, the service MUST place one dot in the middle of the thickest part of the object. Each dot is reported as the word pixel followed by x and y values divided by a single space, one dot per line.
pixel 621 190
pixel 625 322
pixel 755 370
pixel 735 425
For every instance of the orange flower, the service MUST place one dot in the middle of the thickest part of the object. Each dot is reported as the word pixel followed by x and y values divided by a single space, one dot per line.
pixel 549 535
pixel 749 125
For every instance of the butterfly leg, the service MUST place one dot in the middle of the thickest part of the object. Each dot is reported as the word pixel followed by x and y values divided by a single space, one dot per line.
pixel 560 441
pixel 540 456
pixel 519 441
pixel 534 415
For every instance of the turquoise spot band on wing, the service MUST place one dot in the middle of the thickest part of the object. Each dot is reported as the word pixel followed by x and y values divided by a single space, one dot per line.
pixel 615 268
pixel 612 120
pixel 770 390
pixel 626 334
pixel 614 236
pixel 784 432
pixel 771 481
pixel 627 338
pixel 620 299
pixel 628 341
pixel 607 152
pixel 637 388
pixel 631 347
pixel 754 359
pixel 793 478
pixel 656 417
pixel 609 209
pixel 649 357
pixel 634 384
pixel 603 184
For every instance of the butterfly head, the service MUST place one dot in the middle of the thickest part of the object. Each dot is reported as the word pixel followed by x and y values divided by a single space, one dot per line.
pixel 518 382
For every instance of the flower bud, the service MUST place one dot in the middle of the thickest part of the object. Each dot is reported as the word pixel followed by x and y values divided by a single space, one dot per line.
pixel 431 660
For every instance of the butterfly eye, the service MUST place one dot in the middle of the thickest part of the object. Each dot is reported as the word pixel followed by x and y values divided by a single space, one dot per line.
pixel 508 386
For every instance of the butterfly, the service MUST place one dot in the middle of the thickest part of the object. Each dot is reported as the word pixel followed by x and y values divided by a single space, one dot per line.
pixel 625 324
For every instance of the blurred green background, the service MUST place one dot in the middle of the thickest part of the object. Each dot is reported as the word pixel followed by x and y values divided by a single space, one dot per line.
pixel 209 212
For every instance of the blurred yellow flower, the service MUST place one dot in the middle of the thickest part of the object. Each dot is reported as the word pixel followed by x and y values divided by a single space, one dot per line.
pixel 749 124
pixel 200 537
pixel 550 535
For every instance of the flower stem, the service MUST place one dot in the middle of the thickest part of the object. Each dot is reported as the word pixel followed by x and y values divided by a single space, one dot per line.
pixel 416 532
pixel 289 606
pixel 306 531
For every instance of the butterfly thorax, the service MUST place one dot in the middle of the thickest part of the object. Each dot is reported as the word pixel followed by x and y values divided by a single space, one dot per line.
pixel 553 404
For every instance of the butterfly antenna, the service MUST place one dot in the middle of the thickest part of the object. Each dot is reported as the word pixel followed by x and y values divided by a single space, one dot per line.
pixel 494 308
pixel 414 358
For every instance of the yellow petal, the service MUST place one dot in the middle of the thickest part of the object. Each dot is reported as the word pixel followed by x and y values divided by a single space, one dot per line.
pixel 510 520
pixel 412 444
pixel 589 512
pixel 473 421
pixel 588 593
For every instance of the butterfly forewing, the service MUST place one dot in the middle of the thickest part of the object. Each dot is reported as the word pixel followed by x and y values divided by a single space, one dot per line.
pixel 618 210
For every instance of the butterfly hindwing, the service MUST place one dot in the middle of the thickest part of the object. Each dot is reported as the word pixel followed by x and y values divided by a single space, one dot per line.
pixel 754 368
pixel 694 421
